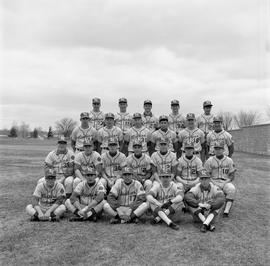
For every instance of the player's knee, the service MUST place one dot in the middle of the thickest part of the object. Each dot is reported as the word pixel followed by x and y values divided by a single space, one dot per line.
pixel 103 181
pixel 76 181
pixel 230 191
pixel 30 209
pixel 157 210
pixel 60 210
pixel 148 185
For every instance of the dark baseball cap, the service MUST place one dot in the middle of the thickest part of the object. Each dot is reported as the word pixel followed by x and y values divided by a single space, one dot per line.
pixel 204 174
pixel 190 116
pixel 62 139
pixel 50 173
pixel 147 102
pixel 137 115
pixel 96 100
pixel 122 100
pixel 109 115
pixel 84 115
pixel 207 103
pixel 217 119
pixel 219 144
pixel 174 102
pixel 88 143
pixel 137 143
pixel 189 145
pixel 163 118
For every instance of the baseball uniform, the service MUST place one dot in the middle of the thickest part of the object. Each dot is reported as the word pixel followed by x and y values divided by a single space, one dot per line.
pixel 169 135
pixel 205 123
pixel 123 121
pixel 105 133
pixel 176 122
pixel 81 135
pixel 96 119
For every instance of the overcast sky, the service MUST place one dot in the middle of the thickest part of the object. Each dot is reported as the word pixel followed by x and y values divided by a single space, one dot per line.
pixel 57 55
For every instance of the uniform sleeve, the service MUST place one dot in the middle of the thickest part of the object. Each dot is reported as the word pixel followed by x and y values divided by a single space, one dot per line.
pixel 174 139
pixel 174 160
pixel 231 166
pixel 180 165
pixel 154 190
pixel 79 188
pixel 74 134
pixel 191 199
pixel 202 137
pixel 97 159
pixel 208 139
pixel 207 165
pixel 127 136
pixel 77 159
pixel 139 189
pixel 154 161
pixel 229 139
pixel 116 188
pixel 180 136
pixel 95 134
pixel 199 164
pixel 120 134
pixel 37 192
pixel 49 159
pixel 99 135
pixel 148 135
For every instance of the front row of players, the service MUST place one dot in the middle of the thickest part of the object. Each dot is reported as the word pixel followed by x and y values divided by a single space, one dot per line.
pixel 202 192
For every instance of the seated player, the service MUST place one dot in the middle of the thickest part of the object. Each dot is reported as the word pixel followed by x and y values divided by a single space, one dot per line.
pixel 88 160
pixel 189 167
pixel 112 163
pixel 126 200
pixel 204 201
pixel 165 199
pixel 87 200
pixel 141 165
pixel 222 170
pixel 48 199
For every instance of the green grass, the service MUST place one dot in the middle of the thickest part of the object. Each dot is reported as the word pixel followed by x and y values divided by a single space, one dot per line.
pixel 243 239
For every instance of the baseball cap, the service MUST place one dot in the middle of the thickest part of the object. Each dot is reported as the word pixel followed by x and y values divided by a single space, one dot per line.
pixel 88 142
pixel 112 141
pixel 84 114
pixel 127 170
pixel 164 173
pixel 163 140
pixel 217 119
pixel 109 115
pixel 190 116
pixel 207 103
pixel 62 139
pixel 147 102
pixel 219 144
pixel 174 102
pixel 122 100
pixel 50 173
pixel 95 100
pixel 189 145
pixel 137 143
pixel 204 174
pixel 137 115
pixel 89 172
pixel 163 117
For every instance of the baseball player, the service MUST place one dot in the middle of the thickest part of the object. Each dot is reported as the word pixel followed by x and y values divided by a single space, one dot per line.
pixel 126 200
pixel 62 161
pixel 112 163
pixel 109 131
pixel 123 119
pixel 96 116
pixel 141 165
pixel 164 161
pixel 189 168
pixel 87 199
pixel 165 199
pixel 82 133
pixel 193 134
pixel 222 171
pixel 219 134
pixel 164 133
pixel 138 133
pixel 48 199
pixel 205 123
pixel 176 120
pixel 149 120
pixel 86 161
pixel 204 201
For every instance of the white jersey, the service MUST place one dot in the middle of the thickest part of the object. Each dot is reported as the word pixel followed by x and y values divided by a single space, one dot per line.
pixel 80 135
pixel 169 135
pixel 176 122
pixel 104 134
pixel 138 134
pixel 96 119
pixel 205 123
pixel 222 136
pixel 150 122
pixel 195 136
pixel 164 163
pixel 123 121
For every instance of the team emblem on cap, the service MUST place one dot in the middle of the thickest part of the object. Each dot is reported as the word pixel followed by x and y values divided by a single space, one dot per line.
pixel 109 115
pixel 122 100
pixel 84 115
pixel 190 116
pixel 50 173
pixel 163 118
pixel 137 115
pixel 147 102
pixel 62 139
pixel 207 103
pixel 217 119
pixel 174 102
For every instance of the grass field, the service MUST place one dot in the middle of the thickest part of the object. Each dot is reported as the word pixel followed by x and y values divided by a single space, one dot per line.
pixel 241 239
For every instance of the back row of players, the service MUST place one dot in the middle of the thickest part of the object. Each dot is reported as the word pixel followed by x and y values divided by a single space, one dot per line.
pixel 137 170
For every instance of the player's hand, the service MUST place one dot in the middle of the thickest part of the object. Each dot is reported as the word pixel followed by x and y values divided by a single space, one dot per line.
pixel 166 205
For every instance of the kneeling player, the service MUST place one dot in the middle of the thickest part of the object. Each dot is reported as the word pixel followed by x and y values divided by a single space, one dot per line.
pixel 222 170
pixel 164 199
pixel 48 199
pixel 87 199
pixel 126 200
pixel 204 201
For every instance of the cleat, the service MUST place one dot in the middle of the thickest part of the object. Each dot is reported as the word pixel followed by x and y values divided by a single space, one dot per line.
pixel 225 215
pixel 115 220
pixel 55 219
pixel 211 228
pixel 34 218
pixel 174 226
pixel 134 221
pixel 203 228
pixel 154 221
pixel 76 219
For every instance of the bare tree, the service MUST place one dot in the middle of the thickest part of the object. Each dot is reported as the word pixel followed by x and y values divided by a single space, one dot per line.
pixel 24 130
pixel 246 118
pixel 227 118
pixel 65 126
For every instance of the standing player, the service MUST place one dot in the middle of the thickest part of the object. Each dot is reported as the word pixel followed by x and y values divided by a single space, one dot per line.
pixel 164 133
pixel 138 133
pixel 222 170
pixel 112 163
pixel 220 135
pixel 204 201
pixel 149 120
pixel 126 200
pixel 205 123
pixel 86 161
pixel 164 161
pixel 189 168
pixel 123 119
pixel 96 116
pixel 176 121
pixel 82 133
pixel 48 199
pixel 141 165
pixel 165 199
pixel 110 131
pixel 87 200
pixel 192 134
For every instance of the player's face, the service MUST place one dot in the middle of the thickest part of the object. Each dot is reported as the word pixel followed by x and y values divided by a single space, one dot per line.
pixel 96 106
pixel 62 147
pixel 137 149
pixel 217 126
pixel 127 177
pixel 175 108
pixel 88 149
pixel 137 122
pixel 165 180
pixel 123 107
pixel 109 122
pixel 189 151
pixel 163 124
pixel 90 178
pixel 50 182
pixel 163 147
pixel 113 148
pixel 147 108
pixel 205 182
pixel 84 121
pixel 207 110
pixel 218 151
pixel 190 123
